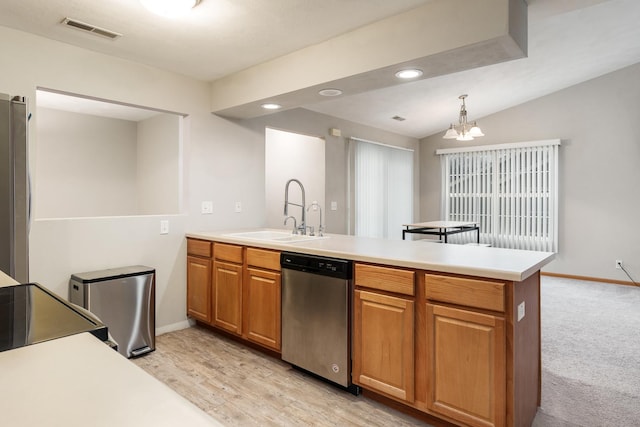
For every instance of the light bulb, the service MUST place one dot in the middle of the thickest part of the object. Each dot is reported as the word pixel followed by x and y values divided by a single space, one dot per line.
pixel 271 106
pixel 464 137
pixel 169 8
pixel 409 74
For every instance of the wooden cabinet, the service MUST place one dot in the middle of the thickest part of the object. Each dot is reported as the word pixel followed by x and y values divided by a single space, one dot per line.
pixel 236 289
pixel 467 365
pixel 263 308
pixel 262 298
pixel 227 298
pixel 199 280
pixel 227 287
pixel 466 356
pixel 383 347
pixel 383 344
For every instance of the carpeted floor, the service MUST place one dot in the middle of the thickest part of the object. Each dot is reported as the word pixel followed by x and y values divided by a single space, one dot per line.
pixel 590 354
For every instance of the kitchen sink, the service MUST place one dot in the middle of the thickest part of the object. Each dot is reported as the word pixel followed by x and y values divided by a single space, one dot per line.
pixel 298 238
pixel 274 236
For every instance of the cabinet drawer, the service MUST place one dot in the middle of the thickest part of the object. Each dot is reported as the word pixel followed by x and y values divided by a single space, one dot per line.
pixel 199 247
pixel 464 291
pixel 224 252
pixel 261 258
pixel 385 279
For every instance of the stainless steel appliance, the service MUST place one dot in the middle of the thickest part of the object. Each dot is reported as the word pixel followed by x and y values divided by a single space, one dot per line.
pixel 30 314
pixel 124 299
pixel 14 188
pixel 316 314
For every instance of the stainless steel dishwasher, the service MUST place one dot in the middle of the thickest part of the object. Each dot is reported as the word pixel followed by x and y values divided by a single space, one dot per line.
pixel 316 316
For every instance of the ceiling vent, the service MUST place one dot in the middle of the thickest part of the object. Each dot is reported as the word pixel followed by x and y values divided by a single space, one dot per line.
pixel 83 26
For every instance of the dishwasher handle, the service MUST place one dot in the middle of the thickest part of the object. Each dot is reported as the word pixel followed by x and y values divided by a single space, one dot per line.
pixel 323 266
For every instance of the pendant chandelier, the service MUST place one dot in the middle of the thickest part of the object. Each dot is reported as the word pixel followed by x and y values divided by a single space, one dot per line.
pixel 463 131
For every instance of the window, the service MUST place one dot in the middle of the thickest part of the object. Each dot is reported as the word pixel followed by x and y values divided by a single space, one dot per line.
pixel 383 189
pixel 511 190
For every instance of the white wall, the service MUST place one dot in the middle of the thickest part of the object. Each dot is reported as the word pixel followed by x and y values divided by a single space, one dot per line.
pixel 598 123
pixel 87 166
pixel 159 156
pixel 223 162
pixel 220 165
pixel 310 123
pixel 291 155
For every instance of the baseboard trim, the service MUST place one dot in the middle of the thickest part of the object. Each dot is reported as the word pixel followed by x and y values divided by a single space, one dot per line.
pixel 591 279
pixel 174 327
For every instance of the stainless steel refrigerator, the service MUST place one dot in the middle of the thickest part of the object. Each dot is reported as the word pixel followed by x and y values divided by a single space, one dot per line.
pixel 14 188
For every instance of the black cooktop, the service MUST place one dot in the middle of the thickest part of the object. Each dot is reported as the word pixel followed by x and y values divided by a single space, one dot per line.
pixel 30 314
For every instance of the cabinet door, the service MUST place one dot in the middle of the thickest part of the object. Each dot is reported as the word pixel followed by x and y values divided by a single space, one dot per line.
pixel 384 344
pixel 227 299
pixel 262 308
pixel 466 368
pixel 199 288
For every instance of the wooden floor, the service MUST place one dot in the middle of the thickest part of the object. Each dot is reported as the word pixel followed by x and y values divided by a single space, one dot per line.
pixel 239 386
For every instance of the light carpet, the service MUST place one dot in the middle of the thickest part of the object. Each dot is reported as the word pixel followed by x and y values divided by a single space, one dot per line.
pixel 590 354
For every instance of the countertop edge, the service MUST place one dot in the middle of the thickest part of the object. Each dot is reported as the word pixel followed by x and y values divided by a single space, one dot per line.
pixel 6 280
pixel 101 385
pixel 306 247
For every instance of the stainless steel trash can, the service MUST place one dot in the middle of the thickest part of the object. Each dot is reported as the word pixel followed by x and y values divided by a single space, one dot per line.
pixel 124 299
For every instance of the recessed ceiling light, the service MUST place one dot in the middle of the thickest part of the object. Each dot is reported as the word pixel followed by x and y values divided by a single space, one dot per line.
pixel 271 106
pixel 170 8
pixel 409 73
pixel 330 92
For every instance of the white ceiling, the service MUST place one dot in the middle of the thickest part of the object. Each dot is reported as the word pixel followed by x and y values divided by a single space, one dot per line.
pixel 570 41
pixel 95 107
pixel 566 46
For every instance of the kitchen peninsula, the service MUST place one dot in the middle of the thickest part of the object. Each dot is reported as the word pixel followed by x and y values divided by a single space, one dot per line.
pixel 451 331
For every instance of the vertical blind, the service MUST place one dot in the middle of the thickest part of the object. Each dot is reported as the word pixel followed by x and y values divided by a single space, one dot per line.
pixel 383 189
pixel 510 190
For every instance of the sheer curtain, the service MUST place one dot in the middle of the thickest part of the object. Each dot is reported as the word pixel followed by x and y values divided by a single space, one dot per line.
pixel 383 189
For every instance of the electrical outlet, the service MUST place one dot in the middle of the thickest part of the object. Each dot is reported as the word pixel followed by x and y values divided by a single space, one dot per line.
pixel 164 226
pixel 521 311
pixel 619 264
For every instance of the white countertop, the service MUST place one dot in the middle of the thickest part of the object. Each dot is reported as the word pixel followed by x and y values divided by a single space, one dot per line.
pixel 495 263
pixel 79 381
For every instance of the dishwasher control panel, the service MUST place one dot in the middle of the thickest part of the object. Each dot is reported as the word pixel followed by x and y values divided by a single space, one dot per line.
pixel 333 267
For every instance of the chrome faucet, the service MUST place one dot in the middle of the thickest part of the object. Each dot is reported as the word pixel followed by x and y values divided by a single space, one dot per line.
pixel 303 223
pixel 295 227
pixel 320 227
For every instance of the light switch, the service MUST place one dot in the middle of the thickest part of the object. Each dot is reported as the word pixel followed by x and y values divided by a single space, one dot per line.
pixel 207 207
pixel 164 226
pixel 238 207
pixel 334 206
